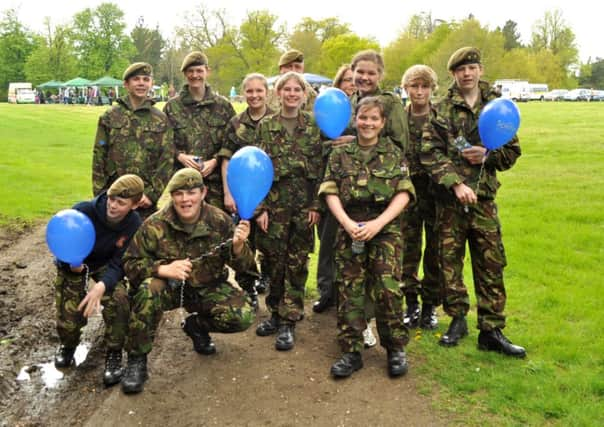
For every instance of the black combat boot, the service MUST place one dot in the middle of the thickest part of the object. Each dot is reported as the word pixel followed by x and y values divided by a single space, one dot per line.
pixel 428 319
pixel 457 330
pixel 262 284
pixel 285 337
pixel 135 375
pixel 494 340
pixel 269 326
pixel 347 364
pixel 64 356
pixel 202 342
pixel 322 304
pixel 411 318
pixel 397 363
pixel 113 367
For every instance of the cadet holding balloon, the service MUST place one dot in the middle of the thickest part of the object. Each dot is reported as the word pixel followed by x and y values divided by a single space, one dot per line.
pixel 466 209
pixel 115 222
pixel 287 218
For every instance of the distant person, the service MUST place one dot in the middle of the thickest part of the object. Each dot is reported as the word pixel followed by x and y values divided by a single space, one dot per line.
pixel 290 211
pixel 115 222
pixel 173 262
pixel 419 82
pixel 467 212
pixel 293 60
pixel 200 119
pixel 172 91
pixel 134 137
pixel 366 188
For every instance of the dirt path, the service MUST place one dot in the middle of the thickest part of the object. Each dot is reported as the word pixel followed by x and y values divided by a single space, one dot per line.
pixel 247 383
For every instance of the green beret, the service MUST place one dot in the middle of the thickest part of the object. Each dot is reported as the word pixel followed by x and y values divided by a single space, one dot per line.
pixel 290 56
pixel 138 69
pixel 463 56
pixel 127 186
pixel 194 58
pixel 185 179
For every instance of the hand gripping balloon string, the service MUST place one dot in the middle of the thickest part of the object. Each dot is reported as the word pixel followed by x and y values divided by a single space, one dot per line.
pixel 466 209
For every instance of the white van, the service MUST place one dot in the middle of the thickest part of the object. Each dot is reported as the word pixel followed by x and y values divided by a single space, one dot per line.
pixel 516 90
pixel 21 93
pixel 538 91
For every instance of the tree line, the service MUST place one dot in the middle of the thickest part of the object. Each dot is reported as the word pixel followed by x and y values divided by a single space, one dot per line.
pixel 96 43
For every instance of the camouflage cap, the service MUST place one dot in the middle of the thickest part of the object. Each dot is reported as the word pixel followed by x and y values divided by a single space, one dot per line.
pixel 290 56
pixel 185 179
pixel 463 56
pixel 194 58
pixel 127 186
pixel 138 69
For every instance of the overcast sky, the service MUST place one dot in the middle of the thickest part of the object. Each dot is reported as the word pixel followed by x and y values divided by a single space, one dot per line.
pixel 384 21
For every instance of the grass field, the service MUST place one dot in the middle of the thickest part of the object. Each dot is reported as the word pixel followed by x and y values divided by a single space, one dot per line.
pixel 552 211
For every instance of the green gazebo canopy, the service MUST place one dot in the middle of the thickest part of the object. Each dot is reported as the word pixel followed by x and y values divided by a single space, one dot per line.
pixel 77 82
pixel 106 81
pixel 53 84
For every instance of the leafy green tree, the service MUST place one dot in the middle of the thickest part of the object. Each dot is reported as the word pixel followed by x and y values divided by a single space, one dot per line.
pixel 592 74
pixel 554 34
pixel 101 44
pixel 511 35
pixel 148 44
pixel 16 44
pixel 54 57
pixel 340 49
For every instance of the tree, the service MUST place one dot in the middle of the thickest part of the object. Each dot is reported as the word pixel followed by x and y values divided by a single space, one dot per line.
pixel 101 45
pixel 592 74
pixel 16 44
pixel 340 50
pixel 553 34
pixel 420 26
pixel 54 57
pixel 259 38
pixel 148 44
pixel 511 35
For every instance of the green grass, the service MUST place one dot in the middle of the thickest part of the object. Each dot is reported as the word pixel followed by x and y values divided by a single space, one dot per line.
pixel 552 213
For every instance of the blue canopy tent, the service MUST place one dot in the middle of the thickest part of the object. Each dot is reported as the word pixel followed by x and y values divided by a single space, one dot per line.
pixel 313 79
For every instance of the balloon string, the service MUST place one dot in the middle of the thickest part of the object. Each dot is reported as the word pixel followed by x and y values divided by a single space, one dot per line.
pixel 484 159
pixel 86 271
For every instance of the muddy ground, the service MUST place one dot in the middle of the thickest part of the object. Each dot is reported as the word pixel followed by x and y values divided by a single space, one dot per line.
pixel 247 383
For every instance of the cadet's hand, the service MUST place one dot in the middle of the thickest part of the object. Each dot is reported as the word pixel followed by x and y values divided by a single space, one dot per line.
pixel 145 202
pixel 229 203
pixel 177 270
pixel 342 140
pixel 208 167
pixel 474 155
pixel 92 301
pixel 313 218
pixel 242 231
pixel 369 230
pixel 465 194
pixel 262 221
pixel 352 228
pixel 188 161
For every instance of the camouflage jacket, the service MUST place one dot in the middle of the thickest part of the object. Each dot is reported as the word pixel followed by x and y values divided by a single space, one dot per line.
pixel 133 141
pixel 297 159
pixel 241 132
pixel 366 184
pixel 162 239
pixel 274 103
pixel 441 156
pixel 199 126
pixel 415 142
pixel 396 127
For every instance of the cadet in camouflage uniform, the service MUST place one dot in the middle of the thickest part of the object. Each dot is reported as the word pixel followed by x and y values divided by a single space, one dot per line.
pixel 134 137
pixel 177 258
pixel 200 118
pixel 466 209
pixel 419 82
pixel 293 60
pixel 115 222
pixel 366 187
pixel 291 209
pixel 241 132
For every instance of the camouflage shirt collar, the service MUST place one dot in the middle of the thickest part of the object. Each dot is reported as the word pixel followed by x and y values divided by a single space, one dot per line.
pixel 303 120
pixel 187 99
pixel 246 119
pixel 125 101
pixel 384 145
pixel 487 93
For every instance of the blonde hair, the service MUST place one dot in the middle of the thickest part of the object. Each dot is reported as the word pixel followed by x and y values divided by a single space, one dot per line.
pixel 420 72
pixel 337 80
pixel 290 75
pixel 371 56
pixel 254 76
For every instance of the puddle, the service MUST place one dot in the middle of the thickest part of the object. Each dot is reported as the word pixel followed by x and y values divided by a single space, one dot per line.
pixel 50 375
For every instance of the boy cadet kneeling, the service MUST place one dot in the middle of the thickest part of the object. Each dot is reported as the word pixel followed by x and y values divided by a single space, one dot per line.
pixel 177 258
pixel 115 222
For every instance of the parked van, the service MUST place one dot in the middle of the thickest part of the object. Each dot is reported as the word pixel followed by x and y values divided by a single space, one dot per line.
pixel 538 91
pixel 21 93
pixel 516 90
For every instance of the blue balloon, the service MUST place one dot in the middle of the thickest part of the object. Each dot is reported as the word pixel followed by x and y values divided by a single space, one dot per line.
pixel 70 236
pixel 249 177
pixel 498 123
pixel 332 112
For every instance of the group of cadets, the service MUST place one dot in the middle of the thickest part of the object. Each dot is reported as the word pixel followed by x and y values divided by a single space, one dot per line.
pixel 395 175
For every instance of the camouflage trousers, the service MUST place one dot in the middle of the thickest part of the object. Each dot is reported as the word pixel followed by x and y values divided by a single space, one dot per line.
pixel 286 246
pixel 220 307
pixel 70 290
pixel 215 195
pixel 418 218
pixel 374 275
pixel 480 227
pixel 247 279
